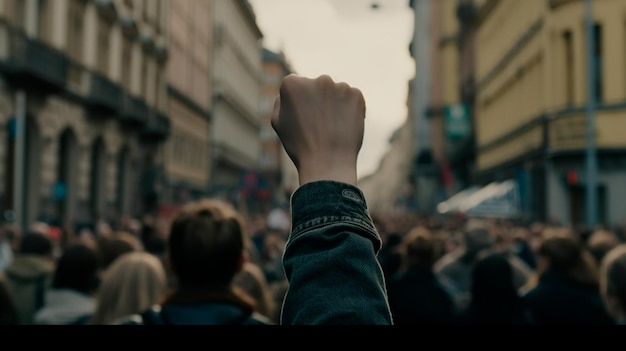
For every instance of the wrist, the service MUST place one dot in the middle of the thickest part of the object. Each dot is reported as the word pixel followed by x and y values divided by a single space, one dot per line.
pixel 343 174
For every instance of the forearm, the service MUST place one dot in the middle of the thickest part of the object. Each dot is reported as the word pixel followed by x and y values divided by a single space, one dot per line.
pixel 330 259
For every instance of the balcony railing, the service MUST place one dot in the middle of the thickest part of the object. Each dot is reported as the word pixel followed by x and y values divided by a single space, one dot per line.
pixel 104 94
pixel 31 62
pixel 158 126
pixel 135 111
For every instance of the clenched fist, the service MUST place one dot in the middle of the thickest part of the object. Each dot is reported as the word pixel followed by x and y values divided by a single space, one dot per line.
pixel 320 123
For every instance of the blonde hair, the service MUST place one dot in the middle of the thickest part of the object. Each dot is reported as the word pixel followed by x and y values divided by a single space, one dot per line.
pixel 252 282
pixel 613 275
pixel 133 283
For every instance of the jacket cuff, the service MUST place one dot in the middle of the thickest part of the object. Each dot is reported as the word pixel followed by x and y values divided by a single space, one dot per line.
pixel 323 203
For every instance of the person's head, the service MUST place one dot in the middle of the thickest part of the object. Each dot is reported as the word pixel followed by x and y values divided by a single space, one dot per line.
pixel 132 284
pixel 206 246
pixel 420 247
pixel 77 269
pixel 563 253
pixel 600 243
pixel 476 238
pixel 613 282
pixel 492 281
pixel 111 247
pixel 36 244
pixel 8 314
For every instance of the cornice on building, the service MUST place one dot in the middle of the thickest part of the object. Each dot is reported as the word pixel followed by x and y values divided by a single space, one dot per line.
pixel 250 16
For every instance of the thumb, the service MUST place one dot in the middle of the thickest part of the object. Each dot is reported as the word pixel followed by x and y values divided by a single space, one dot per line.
pixel 276 113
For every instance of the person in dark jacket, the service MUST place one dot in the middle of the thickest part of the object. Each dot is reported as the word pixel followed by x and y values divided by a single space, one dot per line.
pixel 495 300
pixel 206 251
pixel 416 296
pixel 568 289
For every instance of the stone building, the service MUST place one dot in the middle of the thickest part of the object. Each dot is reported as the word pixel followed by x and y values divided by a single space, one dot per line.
pixel 88 79
pixel 237 69
pixel 187 152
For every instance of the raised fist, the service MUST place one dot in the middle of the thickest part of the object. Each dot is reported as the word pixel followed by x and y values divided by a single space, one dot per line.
pixel 320 123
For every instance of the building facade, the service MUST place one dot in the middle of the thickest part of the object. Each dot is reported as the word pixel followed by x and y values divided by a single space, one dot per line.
pixel 187 152
pixel 452 94
pixel 531 97
pixel 275 68
pixel 237 69
pixel 83 109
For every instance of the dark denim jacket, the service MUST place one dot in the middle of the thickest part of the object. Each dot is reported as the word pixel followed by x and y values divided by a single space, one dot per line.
pixel 330 260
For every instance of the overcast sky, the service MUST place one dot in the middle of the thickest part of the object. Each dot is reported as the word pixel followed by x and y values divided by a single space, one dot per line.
pixel 352 43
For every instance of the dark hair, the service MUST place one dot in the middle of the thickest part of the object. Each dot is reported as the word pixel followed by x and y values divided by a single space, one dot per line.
pixel 206 244
pixel 420 247
pixel 77 270
pixel 494 296
pixel 567 256
pixel 36 244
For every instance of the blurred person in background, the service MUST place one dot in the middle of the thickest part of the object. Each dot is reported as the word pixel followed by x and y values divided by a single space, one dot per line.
pixel 133 283
pixel 271 257
pixel 613 283
pixel 113 246
pixel 6 247
pixel 252 281
pixel 567 291
pixel 70 301
pixel 206 250
pixel 456 267
pixel 600 243
pixel 30 275
pixel 416 296
pixel 495 299
pixel 8 315
pixel 390 257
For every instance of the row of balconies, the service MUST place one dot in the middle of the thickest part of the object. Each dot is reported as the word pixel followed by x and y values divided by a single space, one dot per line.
pixel 31 63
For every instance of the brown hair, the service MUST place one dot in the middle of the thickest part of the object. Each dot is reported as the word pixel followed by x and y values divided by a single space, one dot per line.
pixel 206 245
pixel 110 248
pixel 420 247
pixel 566 254
pixel 600 243
pixel 253 283
pixel 613 275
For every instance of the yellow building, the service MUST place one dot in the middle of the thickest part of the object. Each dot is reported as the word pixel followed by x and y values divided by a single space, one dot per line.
pixel 531 97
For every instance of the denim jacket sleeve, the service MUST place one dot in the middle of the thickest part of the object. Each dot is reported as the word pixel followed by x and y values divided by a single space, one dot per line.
pixel 330 260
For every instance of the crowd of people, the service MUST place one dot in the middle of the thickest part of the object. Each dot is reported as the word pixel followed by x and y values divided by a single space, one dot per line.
pixel 325 260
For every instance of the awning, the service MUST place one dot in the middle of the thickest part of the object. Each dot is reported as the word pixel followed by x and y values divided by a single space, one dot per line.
pixel 496 200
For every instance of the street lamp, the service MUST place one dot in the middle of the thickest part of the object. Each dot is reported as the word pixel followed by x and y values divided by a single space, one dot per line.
pixel 591 161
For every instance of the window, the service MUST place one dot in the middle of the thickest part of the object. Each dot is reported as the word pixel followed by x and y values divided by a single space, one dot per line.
pixel 157 19
pixel 598 61
pixel 19 13
pixel 103 41
pixel 144 77
pixel 145 9
pixel 157 88
pixel 76 29
pixel 43 18
pixel 569 68
pixel 127 59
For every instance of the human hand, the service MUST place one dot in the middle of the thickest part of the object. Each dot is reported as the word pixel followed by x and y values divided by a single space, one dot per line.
pixel 321 124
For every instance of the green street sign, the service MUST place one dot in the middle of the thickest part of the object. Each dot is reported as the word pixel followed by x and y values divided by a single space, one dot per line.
pixel 458 121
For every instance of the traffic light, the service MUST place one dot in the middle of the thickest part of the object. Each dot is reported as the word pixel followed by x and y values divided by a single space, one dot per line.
pixel 572 178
